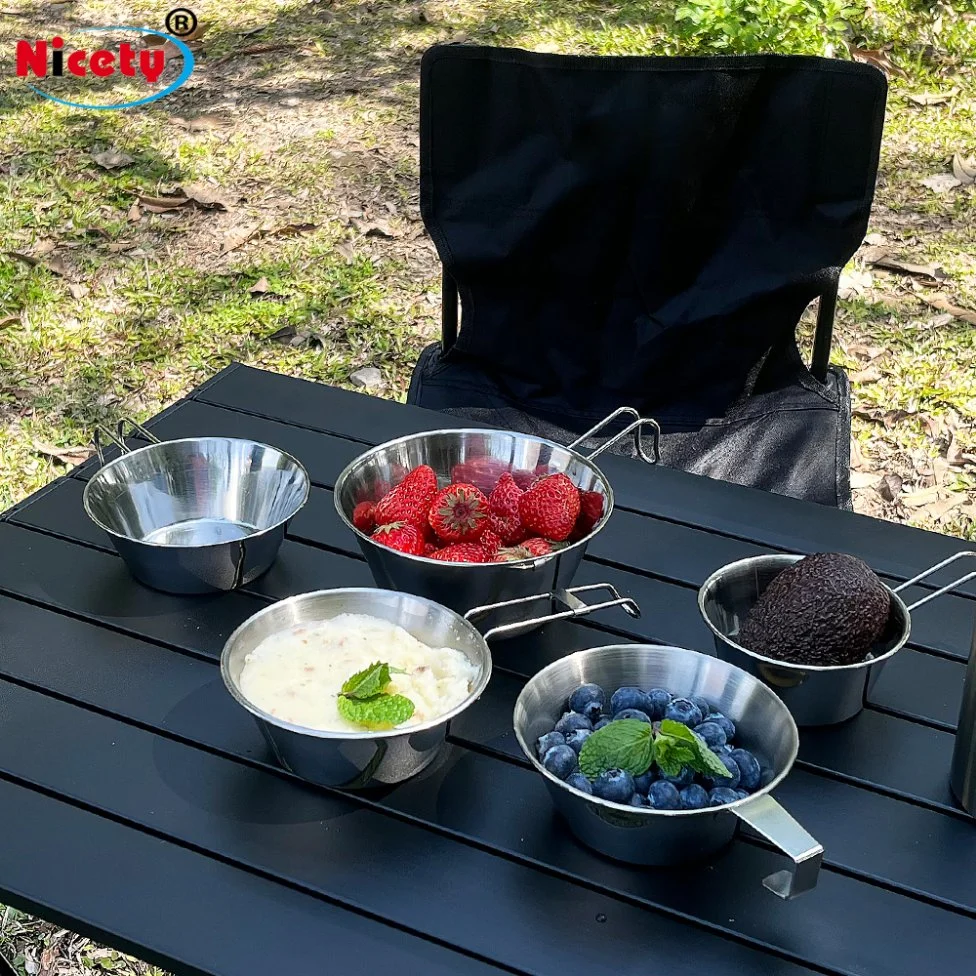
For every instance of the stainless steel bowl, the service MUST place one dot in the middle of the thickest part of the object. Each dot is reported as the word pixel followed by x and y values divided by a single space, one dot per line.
pixel 355 760
pixel 661 837
pixel 815 695
pixel 463 586
pixel 197 515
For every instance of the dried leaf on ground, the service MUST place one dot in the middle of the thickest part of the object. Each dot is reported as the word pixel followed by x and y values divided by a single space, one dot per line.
pixel 875 239
pixel 916 499
pixel 853 283
pixel 880 257
pixel 965 314
pixel 135 213
pixel 111 159
pixel 933 98
pixel 9 320
pixel 864 479
pixel 375 228
pixel 345 249
pixel 163 204
pixel 204 196
pixel 260 287
pixel 870 375
pixel 66 455
pixel 956 453
pixel 284 335
pixel 964 170
pixel 192 193
pixel 78 291
pixel 889 487
pixel 878 58
pixel 941 182
pixel 117 247
pixel 53 264
pixel 288 230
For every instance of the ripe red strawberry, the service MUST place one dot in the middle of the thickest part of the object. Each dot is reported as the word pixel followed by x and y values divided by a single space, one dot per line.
pixel 461 552
pixel 524 478
pixel 363 517
pixel 503 506
pixel 536 546
pixel 430 549
pixel 459 513
pixel 410 500
pixel 401 536
pixel 550 507
pixel 591 511
pixel 490 540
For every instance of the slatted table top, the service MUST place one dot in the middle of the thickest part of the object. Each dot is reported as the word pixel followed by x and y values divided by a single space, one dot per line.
pixel 140 804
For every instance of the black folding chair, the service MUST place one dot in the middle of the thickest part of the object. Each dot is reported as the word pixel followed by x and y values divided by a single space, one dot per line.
pixel 5 968
pixel 648 232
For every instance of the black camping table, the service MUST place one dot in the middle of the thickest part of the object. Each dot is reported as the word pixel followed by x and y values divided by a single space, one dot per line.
pixel 140 804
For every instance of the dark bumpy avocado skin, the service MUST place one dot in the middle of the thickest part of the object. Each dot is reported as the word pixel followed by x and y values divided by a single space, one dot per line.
pixel 826 609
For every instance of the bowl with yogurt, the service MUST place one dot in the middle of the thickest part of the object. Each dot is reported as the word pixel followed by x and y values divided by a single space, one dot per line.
pixel 355 687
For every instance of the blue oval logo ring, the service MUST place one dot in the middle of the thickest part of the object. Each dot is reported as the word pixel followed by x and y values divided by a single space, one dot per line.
pixel 184 74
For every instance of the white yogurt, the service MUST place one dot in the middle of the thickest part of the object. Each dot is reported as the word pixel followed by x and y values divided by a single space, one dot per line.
pixel 296 675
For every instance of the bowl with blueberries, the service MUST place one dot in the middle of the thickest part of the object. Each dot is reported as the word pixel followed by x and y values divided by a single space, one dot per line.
pixel 655 755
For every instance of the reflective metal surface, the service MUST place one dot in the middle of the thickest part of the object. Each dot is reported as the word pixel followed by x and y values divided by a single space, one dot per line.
pixel 355 760
pixel 370 476
pixel 815 695
pixel 660 837
pixel 200 514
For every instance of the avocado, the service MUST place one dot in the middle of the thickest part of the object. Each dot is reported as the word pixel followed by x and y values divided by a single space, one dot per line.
pixel 825 609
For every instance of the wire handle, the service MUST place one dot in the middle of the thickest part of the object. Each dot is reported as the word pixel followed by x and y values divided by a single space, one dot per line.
pixel 633 427
pixel 934 569
pixel 118 437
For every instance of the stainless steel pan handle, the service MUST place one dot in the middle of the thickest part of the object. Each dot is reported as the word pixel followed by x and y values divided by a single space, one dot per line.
pixel 118 437
pixel 634 427
pixel 765 816
pixel 934 569
pixel 575 607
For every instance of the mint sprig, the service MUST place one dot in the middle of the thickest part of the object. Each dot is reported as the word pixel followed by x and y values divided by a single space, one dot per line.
pixel 364 700
pixel 634 746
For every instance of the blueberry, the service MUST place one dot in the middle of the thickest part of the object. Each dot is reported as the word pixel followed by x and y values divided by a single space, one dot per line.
pixel 685 778
pixel 576 738
pixel 546 742
pixel 694 797
pixel 643 782
pixel 728 727
pixel 702 704
pixel 586 695
pixel 657 703
pixel 721 782
pixel 579 782
pixel 722 795
pixel 560 761
pixel 592 710
pixel 615 785
pixel 741 794
pixel 725 750
pixel 627 697
pixel 663 796
pixel 572 721
pixel 749 772
pixel 632 713
pixel 712 733
pixel 680 710
pixel 637 801
pixel 599 725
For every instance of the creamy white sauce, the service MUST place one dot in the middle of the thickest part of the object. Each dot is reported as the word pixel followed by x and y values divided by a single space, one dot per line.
pixel 296 675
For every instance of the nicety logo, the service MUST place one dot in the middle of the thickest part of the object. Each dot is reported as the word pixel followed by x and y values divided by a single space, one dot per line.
pixel 54 58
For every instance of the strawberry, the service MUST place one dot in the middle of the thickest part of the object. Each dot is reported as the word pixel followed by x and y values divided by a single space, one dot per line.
pixel 503 506
pixel 459 513
pixel 430 549
pixel 362 517
pixel 482 472
pixel 591 511
pixel 410 500
pixel 524 478
pixel 490 541
pixel 536 546
pixel 461 552
pixel 401 536
pixel 550 507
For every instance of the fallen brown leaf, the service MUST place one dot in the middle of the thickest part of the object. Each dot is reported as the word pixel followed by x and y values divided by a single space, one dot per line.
pixel 916 499
pixel 163 204
pixel 78 291
pixel 964 170
pixel 956 453
pixel 940 509
pixel 965 314
pixel 288 230
pixel 111 159
pixel 345 250
pixel 875 239
pixel 864 479
pixel 204 196
pixel 870 375
pixel 889 488
pixel 66 455
pixel 135 213
pixel 933 98
pixel 259 287
pixel 877 58
pixel 941 182
pixel 53 264
pixel 9 320
pixel 284 335
pixel 880 257
pixel 117 247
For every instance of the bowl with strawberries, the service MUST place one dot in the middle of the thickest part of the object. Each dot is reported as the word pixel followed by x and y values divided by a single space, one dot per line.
pixel 472 517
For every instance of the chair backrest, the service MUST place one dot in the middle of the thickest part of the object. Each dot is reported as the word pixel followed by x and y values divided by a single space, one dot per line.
pixel 641 230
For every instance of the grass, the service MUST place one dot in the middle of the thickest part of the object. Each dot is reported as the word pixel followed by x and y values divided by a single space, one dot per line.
pixel 312 149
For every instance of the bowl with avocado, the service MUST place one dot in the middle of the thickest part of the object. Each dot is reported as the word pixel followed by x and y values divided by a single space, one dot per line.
pixel 817 629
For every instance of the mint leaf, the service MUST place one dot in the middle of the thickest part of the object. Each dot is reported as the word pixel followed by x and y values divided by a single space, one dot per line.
pixel 376 712
pixel 368 682
pixel 627 744
pixel 672 754
pixel 681 743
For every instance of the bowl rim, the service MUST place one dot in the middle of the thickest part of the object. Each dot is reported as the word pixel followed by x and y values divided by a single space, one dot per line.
pixel 344 735
pixel 529 561
pixel 257 533
pixel 665 650
pixel 789 559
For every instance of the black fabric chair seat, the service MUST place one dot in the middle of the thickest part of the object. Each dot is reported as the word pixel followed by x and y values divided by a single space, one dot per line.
pixel 647 232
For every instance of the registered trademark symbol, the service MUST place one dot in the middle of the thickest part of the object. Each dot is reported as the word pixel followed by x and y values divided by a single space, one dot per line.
pixel 181 22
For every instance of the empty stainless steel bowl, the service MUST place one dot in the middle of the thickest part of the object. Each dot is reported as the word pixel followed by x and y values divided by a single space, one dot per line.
pixel 641 835
pixel 355 760
pixel 815 695
pixel 197 515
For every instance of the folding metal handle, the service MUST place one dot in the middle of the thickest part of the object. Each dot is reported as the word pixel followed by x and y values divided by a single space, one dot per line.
pixel 634 427
pixel 118 438
pixel 575 607
pixel 765 816
pixel 934 569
